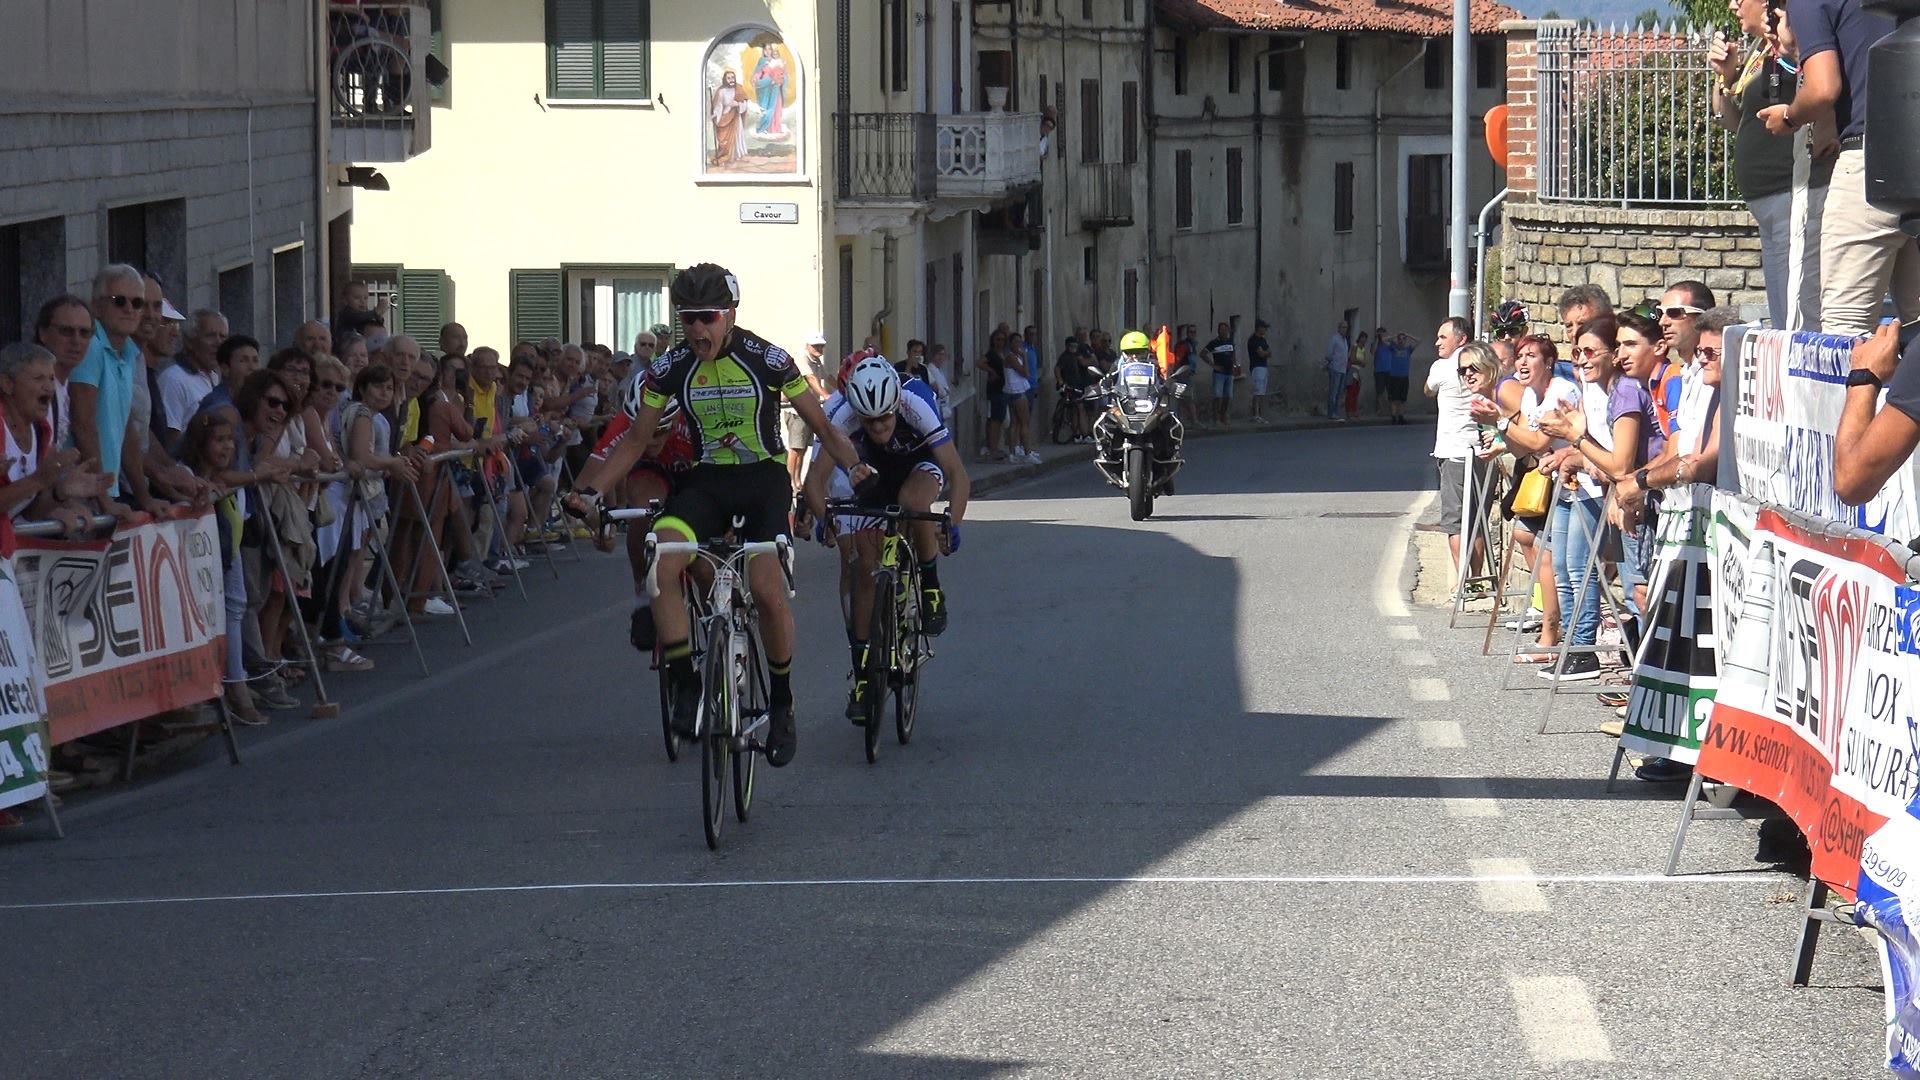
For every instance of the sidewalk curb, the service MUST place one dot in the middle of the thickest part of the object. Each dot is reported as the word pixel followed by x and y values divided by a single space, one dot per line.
pixel 1072 454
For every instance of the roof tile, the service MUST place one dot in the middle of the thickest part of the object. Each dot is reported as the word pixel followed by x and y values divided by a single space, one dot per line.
pixel 1426 18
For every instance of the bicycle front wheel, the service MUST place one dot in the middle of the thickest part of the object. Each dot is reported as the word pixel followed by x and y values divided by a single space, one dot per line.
pixel 717 726
pixel 880 643
pixel 750 697
pixel 666 709
pixel 913 649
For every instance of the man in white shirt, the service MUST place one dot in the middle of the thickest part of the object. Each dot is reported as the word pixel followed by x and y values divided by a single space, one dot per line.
pixel 1453 435
pixel 1338 351
pixel 185 384
pixel 807 362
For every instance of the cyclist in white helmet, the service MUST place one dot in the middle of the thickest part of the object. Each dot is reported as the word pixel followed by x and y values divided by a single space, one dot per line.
pixel 901 436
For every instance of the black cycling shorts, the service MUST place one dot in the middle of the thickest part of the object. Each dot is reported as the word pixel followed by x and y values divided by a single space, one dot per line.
pixel 708 498
pixel 883 489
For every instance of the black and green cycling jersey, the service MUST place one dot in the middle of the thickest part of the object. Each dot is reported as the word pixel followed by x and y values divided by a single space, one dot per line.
pixel 732 402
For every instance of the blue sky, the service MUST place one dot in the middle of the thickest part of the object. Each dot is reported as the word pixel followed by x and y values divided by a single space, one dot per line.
pixel 1600 11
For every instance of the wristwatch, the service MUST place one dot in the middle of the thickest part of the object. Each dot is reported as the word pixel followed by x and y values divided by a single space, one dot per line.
pixel 1640 477
pixel 1863 377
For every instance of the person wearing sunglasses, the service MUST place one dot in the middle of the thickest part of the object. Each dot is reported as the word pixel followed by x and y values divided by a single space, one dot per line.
pixel 102 388
pixel 729 381
pixel 64 327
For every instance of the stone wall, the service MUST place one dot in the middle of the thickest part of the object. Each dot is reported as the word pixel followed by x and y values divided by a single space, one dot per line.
pixel 1633 254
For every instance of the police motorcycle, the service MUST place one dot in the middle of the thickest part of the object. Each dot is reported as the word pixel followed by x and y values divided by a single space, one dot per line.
pixel 1137 435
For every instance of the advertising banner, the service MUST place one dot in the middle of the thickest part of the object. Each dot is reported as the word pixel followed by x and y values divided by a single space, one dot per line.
pixel 23 731
pixel 1790 388
pixel 1676 673
pixel 125 627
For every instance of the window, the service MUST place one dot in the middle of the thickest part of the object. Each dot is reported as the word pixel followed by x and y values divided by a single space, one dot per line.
pixel 1488 72
pixel 290 291
pixel 1427 180
pixel 1233 65
pixel 236 299
pixel 1086 10
pixel 1276 65
pixel 1086 263
pixel 996 69
pixel 425 304
pixel 1130 297
pixel 33 270
pixel 598 49
pixel 1343 63
pixel 1183 189
pixel 1089 120
pixel 1343 196
pixel 1236 198
pixel 613 304
pixel 535 304
pixel 1127 13
pixel 897 45
pixel 153 237
pixel 1129 122
pixel 1180 65
pixel 846 297
pixel 1435 64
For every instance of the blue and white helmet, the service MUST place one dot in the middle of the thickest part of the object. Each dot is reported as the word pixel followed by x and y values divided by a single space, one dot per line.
pixel 873 389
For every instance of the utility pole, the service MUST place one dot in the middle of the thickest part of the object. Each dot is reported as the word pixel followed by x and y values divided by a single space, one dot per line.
pixel 1459 297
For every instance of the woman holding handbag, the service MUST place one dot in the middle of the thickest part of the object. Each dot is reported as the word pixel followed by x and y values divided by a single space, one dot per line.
pixel 1540 392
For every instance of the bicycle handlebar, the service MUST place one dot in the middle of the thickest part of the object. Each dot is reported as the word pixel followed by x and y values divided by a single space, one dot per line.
pixel 694 547
pixel 628 513
pixel 851 508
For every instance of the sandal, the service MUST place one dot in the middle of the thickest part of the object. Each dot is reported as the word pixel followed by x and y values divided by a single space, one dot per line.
pixel 1536 654
pixel 345 659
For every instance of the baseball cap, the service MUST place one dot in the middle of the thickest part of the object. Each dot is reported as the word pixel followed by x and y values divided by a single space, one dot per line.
pixel 169 312
pixel 818 337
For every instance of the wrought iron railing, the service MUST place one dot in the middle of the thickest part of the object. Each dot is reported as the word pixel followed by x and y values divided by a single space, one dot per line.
pixel 884 156
pixel 1626 118
pixel 376 60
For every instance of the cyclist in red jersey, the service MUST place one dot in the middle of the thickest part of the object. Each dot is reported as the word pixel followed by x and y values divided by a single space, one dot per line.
pixel 669 454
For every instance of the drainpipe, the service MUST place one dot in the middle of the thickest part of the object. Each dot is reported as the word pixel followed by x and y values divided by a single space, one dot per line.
pixel 1259 167
pixel 1480 264
pixel 1146 156
pixel 322 167
pixel 1379 211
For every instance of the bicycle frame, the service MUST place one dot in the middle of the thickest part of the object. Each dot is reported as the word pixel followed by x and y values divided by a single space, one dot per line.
pixel 731 614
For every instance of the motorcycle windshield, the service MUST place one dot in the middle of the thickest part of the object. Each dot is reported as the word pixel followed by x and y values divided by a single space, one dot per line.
pixel 1138 381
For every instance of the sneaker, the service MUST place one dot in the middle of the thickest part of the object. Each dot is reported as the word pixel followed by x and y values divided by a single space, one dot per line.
pixel 640 629
pixel 436 606
pixel 933 611
pixel 857 699
pixel 782 737
pixel 1614 699
pixel 1580 668
pixel 504 567
pixel 1661 770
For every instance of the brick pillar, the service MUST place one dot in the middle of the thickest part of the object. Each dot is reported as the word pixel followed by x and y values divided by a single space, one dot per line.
pixel 1523 106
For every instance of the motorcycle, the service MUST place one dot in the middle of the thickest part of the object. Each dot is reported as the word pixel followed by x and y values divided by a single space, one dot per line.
pixel 1137 437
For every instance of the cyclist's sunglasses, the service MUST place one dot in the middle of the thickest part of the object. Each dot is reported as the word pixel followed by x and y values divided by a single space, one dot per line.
pixel 704 316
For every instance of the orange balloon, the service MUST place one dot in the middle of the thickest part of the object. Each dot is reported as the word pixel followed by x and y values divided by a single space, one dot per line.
pixel 1495 123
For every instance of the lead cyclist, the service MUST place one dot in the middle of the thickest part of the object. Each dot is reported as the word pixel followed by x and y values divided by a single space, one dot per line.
pixel 729 382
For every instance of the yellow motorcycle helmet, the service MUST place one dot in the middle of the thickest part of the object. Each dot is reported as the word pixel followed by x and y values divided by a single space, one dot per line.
pixel 1135 341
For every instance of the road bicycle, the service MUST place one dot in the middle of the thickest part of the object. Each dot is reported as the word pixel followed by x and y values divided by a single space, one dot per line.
pixel 898 646
pixel 731 723
pixel 696 605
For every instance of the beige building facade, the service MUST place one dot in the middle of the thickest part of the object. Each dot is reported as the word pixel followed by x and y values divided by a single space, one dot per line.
pixel 585 150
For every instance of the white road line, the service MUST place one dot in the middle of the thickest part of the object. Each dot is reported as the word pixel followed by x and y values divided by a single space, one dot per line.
pixel 1388 599
pixel 1467 797
pixel 1416 658
pixel 1440 734
pixel 834 883
pixel 1508 897
pixel 1558 1019
pixel 1425 689
pixel 1403 632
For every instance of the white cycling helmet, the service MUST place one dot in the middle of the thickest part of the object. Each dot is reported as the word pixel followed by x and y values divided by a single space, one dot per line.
pixel 636 390
pixel 874 387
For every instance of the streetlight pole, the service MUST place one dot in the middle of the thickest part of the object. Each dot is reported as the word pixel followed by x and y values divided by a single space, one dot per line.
pixel 1459 300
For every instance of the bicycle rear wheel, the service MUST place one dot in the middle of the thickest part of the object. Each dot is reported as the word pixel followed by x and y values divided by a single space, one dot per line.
pixel 666 708
pixel 716 737
pixel 880 644
pixel 750 693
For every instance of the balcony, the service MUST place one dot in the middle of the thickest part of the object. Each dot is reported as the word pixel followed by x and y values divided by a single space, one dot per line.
pixel 882 158
pixel 379 72
pixel 1106 195
pixel 985 156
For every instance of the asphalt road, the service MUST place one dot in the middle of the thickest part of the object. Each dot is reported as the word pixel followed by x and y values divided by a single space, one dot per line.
pixel 1188 797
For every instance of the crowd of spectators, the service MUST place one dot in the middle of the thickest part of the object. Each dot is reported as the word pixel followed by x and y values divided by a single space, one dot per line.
pixel 1629 411
pixel 331 451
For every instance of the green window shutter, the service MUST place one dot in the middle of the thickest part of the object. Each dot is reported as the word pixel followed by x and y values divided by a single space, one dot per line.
pixel 536 303
pixel 572 49
pixel 437 47
pixel 426 304
pixel 624 28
